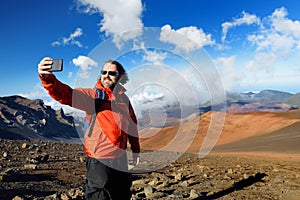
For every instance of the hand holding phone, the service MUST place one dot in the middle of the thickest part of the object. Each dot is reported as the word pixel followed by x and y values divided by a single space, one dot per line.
pixel 56 66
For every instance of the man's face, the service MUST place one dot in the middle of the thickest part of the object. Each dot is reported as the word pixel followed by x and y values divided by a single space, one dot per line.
pixel 109 75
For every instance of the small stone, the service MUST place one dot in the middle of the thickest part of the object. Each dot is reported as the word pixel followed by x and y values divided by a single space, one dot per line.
pixel 82 159
pixel 275 170
pixel 30 166
pixel 24 145
pixel 230 171
pixel 153 182
pixel 18 198
pixel 51 197
pixel 185 183
pixel 178 176
pixel 5 154
pixel 64 196
pixel 148 191
pixel 227 177
pixel 194 194
pixel 138 182
pixel 176 194
pixel 75 193
pixel 278 179
pixel 246 176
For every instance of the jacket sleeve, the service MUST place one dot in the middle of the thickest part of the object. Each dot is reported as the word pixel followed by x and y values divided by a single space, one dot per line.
pixel 133 136
pixel 57 90
pixel 83 99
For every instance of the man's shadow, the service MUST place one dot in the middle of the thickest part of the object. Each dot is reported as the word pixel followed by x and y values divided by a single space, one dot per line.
pixel 236 186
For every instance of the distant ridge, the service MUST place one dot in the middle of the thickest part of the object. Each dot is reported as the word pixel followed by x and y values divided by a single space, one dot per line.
pixel 273 95
pixel 293 100
pixel 22 118
pixel 265 100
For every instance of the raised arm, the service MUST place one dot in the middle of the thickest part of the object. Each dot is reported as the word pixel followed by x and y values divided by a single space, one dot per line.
pixel 83 99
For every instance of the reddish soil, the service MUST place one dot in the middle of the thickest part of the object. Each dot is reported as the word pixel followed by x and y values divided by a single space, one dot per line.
pixel 262 134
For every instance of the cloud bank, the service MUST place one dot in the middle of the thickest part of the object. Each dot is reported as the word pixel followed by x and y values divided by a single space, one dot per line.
pixel 119 16
pixel 186 38
pixel 276 39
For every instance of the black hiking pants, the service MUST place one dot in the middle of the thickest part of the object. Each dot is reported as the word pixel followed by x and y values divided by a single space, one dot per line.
pixel 108 179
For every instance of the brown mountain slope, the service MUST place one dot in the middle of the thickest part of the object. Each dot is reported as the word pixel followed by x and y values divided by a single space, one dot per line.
pixel 240 131
pixel 285 140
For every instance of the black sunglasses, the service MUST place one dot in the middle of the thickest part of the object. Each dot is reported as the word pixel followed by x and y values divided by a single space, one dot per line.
pixel 111 73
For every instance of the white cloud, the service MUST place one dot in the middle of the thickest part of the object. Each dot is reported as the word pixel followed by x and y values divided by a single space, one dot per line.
pixel 231 75
pixel 38 92
pixel 283 25
pixel 154 56
pixel 162 85
pixel 278 39
pixel 186 38
pixel 119 16
pixel 150 55
pixel 272 41
pixel 86 64
pixel 276 42
pixel 279 33
pixel 147 95
pixel 246 19
pixel 262 61
pixel 71 40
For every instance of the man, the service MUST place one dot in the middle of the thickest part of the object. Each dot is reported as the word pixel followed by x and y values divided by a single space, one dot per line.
pixel 112 122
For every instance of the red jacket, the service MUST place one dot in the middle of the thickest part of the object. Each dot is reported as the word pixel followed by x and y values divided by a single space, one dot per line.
pixel 115 120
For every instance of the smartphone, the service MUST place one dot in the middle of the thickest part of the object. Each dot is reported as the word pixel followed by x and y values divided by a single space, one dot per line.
pixel 57 65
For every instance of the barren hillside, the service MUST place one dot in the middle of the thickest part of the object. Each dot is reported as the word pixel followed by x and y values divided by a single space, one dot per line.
pixel 239 130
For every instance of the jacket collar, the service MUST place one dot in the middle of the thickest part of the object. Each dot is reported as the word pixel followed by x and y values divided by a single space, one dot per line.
pixel 118 90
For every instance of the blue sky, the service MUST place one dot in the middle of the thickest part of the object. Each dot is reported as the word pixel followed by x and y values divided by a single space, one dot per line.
pixel 253 44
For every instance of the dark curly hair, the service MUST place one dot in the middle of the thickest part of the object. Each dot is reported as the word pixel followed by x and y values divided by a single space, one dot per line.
pixel 122 73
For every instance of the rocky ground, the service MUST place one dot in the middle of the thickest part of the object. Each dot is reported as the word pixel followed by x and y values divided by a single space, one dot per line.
pixel 44 170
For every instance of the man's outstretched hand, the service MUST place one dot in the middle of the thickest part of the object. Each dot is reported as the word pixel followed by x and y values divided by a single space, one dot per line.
pixel 44 66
